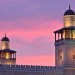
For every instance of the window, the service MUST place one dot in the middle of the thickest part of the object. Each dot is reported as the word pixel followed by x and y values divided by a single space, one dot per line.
pixel 73 56
pixel 60 57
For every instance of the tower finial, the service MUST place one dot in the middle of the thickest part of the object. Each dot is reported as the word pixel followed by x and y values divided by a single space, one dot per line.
pixel 5 34
pixel 69 7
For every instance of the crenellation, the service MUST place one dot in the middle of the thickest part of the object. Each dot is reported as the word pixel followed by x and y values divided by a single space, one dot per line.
pixel 22 66
pixel 27 66
pixel 30 67
pixel 13 66
pixel 33 66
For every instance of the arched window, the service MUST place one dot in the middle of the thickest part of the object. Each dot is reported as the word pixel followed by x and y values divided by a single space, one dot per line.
pixel 60 55
pixel 73 56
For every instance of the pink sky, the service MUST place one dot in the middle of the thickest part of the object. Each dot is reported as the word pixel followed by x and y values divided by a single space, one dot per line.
pixel 30 24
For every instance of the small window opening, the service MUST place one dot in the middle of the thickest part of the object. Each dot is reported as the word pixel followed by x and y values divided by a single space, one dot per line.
pixel 73 56
pixel 60 57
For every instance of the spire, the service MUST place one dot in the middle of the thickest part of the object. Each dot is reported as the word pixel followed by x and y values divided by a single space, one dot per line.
pixel 5 34
pixel 69 7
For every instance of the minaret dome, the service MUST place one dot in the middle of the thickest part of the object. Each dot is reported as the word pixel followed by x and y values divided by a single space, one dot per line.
pixel 5 43
pixel 5 38
pixel 69 12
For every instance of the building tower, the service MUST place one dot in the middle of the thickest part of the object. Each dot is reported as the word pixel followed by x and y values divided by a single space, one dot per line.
pixel 7 56
pixel 65 41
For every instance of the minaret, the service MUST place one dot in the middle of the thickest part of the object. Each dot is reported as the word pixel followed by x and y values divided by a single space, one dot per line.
pixel 65 41
pixel 7 56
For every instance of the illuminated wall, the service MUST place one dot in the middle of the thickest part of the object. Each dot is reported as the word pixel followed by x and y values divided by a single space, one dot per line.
pixel 8 55
pixel 73 34
pixel 5 45
pixel 69 20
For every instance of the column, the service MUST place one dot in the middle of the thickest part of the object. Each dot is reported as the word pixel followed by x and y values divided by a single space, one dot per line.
pixel 61 36
pixel 58 36
pixel 12 55
pixel 55 36
pixel 0 55
pixel 72 34
pixel 65 34
pixel 15 55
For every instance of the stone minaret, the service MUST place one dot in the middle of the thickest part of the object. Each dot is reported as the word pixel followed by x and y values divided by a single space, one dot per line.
pixel 7 56
pixel 65 41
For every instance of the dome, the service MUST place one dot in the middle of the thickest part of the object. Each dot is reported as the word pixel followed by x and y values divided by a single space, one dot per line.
pixel 5 38
pixel 69 12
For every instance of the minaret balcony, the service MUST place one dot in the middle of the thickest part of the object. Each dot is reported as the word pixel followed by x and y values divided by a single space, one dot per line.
pixel 8 58
pixel 65 34
pixel 65 39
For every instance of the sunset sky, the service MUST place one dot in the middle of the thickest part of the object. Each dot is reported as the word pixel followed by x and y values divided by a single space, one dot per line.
pixel 29 24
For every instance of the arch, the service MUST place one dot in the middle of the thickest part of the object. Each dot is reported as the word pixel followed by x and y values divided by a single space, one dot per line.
pixel 60 55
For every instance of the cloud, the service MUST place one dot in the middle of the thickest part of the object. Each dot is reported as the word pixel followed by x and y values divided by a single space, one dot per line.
pixel 31 42
pixel 37 60
pixel 43 22
pixel 18 9
pixel 35 40
pixel 30 24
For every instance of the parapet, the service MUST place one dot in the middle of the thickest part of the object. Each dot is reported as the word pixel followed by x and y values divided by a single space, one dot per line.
pixel 31 68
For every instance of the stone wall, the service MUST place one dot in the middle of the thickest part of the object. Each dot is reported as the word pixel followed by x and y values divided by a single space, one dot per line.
pixel 30 70
pixel 69 71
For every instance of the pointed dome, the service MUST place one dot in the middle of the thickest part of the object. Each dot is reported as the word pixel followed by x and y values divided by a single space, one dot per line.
pixel 69 12
pixel 5 38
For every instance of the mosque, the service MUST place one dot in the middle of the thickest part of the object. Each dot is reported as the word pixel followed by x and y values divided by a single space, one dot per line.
pixel 64 53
